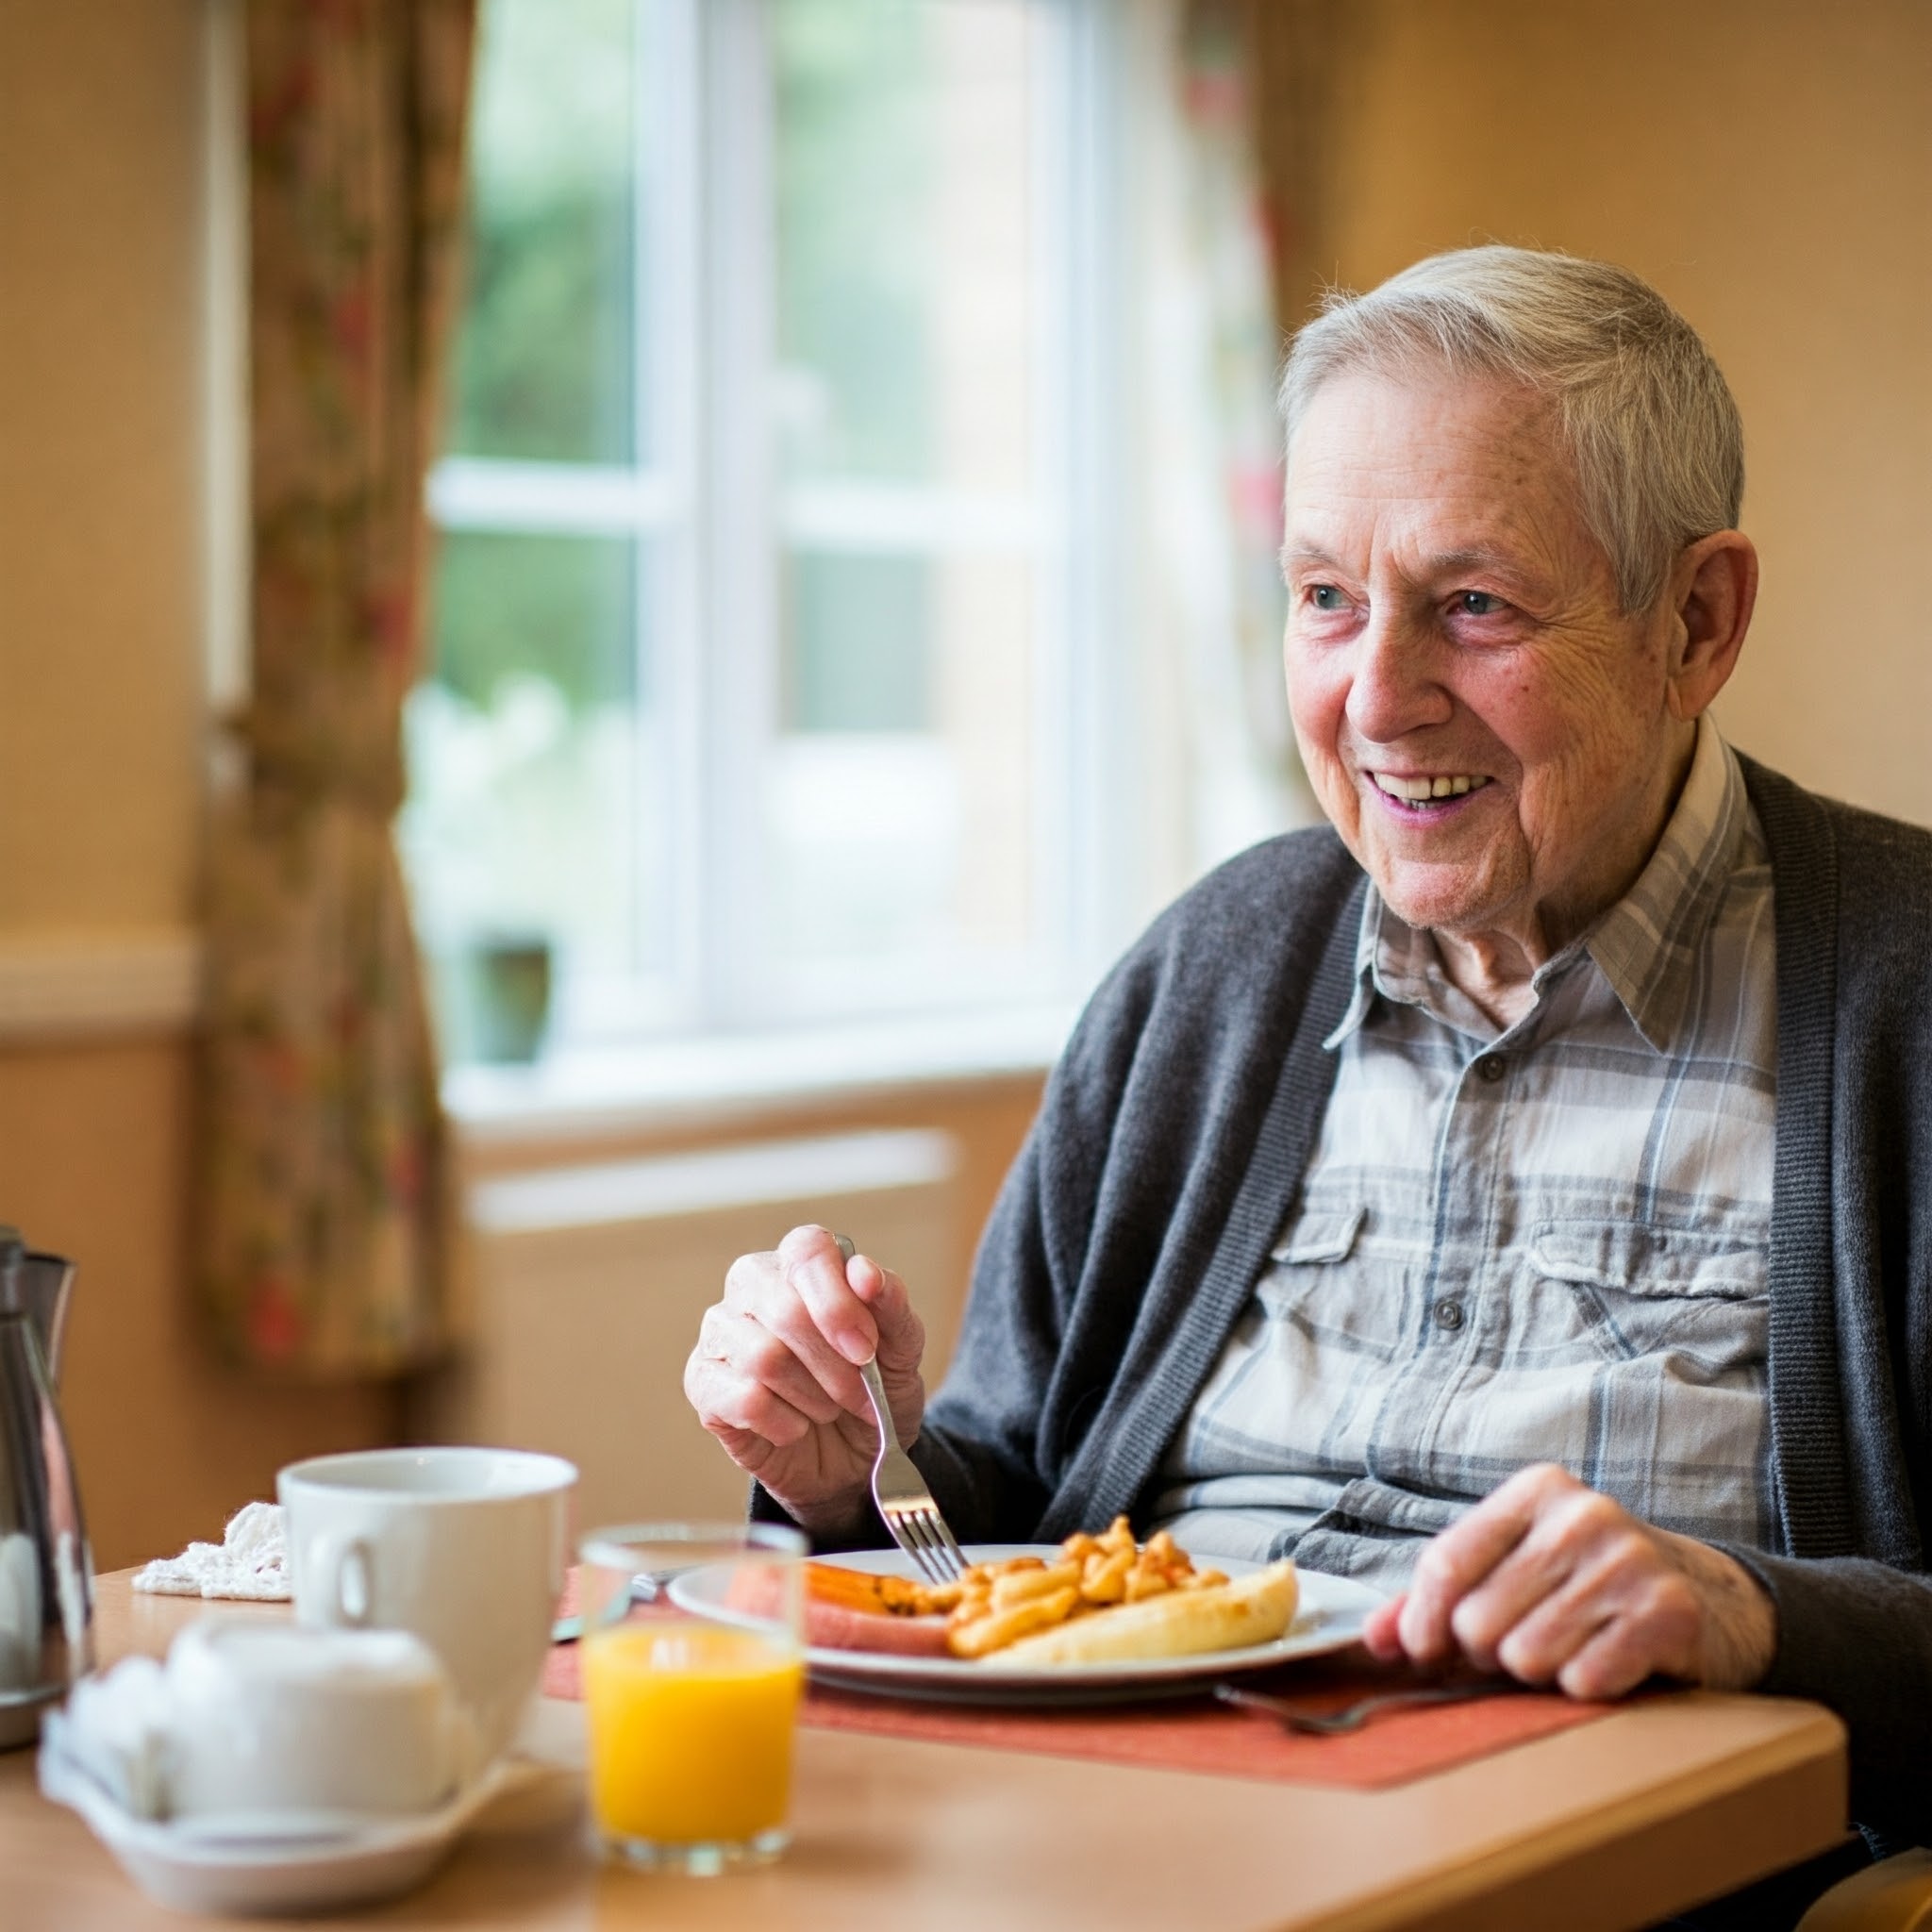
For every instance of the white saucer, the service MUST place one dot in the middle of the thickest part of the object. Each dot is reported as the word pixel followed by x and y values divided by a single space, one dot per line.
pixel 275 1864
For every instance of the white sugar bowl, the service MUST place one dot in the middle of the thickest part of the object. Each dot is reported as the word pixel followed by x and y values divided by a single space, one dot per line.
pixel 270 1717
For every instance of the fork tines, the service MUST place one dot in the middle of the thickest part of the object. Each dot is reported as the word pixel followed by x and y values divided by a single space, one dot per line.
pixel 922 1533
pixel 903 1502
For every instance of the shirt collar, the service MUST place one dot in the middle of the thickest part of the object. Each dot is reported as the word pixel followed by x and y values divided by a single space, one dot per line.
pixel 1645 945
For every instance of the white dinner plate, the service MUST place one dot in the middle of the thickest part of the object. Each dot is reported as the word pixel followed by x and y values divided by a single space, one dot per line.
pixel 1328 1616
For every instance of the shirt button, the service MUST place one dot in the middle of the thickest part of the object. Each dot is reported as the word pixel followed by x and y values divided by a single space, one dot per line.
pixel 1448 1314
pixel 1491 1068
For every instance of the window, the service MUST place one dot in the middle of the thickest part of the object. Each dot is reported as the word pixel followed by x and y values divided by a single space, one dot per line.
pixel 769 545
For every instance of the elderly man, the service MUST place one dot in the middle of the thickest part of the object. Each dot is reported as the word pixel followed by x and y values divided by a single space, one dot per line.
pixel 1520 1195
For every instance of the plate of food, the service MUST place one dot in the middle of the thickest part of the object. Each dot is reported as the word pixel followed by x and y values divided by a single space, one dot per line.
pixel 1096 1618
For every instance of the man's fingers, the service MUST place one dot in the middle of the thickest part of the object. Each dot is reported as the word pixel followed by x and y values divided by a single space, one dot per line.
pixel 1546 1634
pixel 1461 1557
pixel 731 1404
pixel 1611 1663
pixel 765 1290
pixel 1620 1620
pixel 902 1341
pixel 1381 1636
pixel 901 1333
pixel 1528 1575
pixel 813 1268
pixel 746 1346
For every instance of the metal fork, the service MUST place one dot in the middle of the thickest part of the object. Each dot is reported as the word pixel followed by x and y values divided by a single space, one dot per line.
pixel 1334 1723
pixel 900 1492
pixel 904 1501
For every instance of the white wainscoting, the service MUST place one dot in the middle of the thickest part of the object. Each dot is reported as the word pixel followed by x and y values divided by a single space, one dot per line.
pixel 589 1283
pixel 62 988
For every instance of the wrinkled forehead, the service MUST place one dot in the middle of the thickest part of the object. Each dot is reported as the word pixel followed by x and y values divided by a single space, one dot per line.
pixel 1416 392
pixel 1460 461
pixel 1408 364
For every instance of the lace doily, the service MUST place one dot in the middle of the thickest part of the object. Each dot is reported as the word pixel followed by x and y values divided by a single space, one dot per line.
pixel 250 1562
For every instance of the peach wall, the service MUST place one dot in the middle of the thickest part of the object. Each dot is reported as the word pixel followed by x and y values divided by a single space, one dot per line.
pixel 1768 164
pixel 101 724
pixel 100 462
pixel 988 1117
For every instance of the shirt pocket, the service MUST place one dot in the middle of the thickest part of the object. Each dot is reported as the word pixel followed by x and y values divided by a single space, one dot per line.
pixel 1330 1285
pixel 1320 1235
pixel 1697 1296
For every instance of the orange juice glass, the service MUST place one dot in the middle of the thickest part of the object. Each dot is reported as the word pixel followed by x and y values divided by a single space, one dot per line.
pixel 693 1664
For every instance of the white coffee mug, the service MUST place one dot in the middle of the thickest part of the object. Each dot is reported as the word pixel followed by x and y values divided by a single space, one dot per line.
pixel 465 1547
pixel 269 1717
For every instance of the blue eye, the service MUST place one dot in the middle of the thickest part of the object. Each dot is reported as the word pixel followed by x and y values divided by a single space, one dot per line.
pixel 1479 603
pixel 1326 597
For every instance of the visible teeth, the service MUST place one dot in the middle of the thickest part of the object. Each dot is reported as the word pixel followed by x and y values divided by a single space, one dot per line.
pixel 1414 791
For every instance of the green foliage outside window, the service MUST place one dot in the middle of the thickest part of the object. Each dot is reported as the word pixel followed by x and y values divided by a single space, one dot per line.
pixel 852 176
pixel 564 607
pixel 545 359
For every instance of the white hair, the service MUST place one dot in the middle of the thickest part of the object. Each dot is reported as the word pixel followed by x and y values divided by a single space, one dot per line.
pixel 1647 418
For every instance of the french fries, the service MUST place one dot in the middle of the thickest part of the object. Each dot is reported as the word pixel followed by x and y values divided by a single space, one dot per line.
pixel 998 1605
pixel 994 1628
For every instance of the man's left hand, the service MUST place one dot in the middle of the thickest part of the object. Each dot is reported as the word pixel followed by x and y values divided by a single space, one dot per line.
pixel 1554 1583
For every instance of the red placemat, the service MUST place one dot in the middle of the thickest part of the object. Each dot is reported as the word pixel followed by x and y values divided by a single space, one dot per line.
pixel 1197 1734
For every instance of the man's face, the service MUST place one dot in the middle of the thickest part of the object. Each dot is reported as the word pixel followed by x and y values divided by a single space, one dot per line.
pixel 1451 619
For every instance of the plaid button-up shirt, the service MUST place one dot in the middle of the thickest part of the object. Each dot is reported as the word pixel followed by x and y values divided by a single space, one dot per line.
pixel 1541 1245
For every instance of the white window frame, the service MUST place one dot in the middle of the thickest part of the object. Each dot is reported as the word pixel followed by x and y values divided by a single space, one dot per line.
pixel 711 511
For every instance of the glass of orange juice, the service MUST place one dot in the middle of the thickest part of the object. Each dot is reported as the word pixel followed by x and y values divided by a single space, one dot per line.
pixel 692 1667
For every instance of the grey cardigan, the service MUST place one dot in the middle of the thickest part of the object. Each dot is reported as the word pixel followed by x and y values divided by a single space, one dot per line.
pixel 1173 1137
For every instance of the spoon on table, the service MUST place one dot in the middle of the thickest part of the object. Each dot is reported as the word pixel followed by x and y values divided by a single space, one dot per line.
pixel 643 1590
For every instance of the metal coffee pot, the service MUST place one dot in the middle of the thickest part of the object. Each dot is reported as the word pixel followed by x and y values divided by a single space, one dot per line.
pixel 47 1570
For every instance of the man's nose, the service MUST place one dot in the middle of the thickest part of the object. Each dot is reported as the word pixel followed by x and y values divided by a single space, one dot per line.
pixel 1396 686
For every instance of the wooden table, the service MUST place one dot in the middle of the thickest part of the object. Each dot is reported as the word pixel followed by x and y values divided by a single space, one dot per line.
pixel 1613 1823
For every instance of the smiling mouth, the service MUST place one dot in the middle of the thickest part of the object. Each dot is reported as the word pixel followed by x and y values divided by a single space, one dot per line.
pixel 1427 792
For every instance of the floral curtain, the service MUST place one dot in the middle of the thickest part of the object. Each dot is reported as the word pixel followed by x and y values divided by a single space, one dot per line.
pixel 1297 56
pixel 1212 347
pixel 323 1227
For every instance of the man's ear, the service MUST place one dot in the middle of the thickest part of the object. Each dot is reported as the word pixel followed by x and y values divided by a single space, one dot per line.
pixel 1713 587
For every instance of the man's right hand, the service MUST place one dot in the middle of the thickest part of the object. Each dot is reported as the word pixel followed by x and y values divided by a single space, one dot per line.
pixel 775 1376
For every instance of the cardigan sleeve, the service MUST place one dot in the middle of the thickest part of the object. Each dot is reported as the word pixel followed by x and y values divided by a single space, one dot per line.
pixel 1856 1635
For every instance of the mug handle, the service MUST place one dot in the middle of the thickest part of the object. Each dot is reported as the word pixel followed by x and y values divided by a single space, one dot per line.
pixel 350 1594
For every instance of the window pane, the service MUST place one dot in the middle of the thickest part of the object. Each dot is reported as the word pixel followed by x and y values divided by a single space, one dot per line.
pixel 546 353
pixel 905 858
pixel 533 775
pixel 905 298
pixel 856 631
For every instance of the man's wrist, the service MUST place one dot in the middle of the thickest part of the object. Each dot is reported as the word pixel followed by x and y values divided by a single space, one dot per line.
pixel 831 1523
pixel 1740 1642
